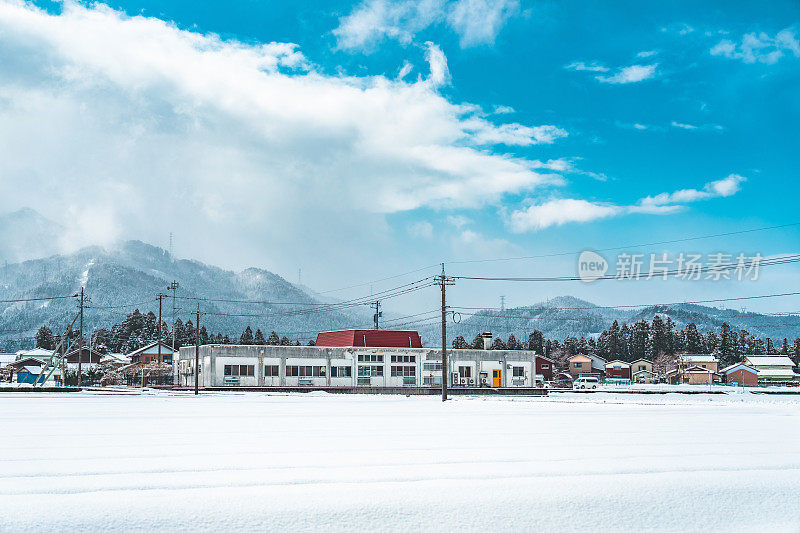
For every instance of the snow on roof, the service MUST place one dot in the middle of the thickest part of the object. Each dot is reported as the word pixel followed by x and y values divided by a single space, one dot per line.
pixel 697 358
pixel 643 361
pixel 116 357
pixel 617 362
pixel 737 366
pixel 152 344
pixel 6 358
pixel 698 370
pixel 776 373
pixel 36 352
pixel 769 360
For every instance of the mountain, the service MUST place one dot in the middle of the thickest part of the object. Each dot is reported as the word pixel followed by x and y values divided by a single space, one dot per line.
pixel 129 275
pixel 567 316
pixel 26 234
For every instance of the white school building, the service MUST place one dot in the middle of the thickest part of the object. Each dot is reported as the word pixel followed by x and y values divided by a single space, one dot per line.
pixel 353 366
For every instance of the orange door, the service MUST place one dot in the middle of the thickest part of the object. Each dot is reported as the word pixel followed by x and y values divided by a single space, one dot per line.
pixel 495 378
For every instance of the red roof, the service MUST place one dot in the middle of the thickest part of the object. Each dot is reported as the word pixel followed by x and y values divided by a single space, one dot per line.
pixel 370 338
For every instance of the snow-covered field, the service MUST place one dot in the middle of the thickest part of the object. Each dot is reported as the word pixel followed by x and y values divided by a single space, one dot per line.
pixel 253 461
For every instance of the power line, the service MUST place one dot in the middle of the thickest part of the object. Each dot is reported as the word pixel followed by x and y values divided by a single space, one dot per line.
pixel 43 298
pixel 722 268
pixel 641 245
pixel 775 295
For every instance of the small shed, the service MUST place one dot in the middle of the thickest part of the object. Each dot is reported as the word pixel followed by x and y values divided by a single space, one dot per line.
pixel 740 374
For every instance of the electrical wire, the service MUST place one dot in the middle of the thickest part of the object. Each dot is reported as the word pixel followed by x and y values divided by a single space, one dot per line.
pixel 722 268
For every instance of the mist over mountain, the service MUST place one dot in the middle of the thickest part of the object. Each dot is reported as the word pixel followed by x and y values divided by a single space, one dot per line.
pixel 26 234
pixel 128 276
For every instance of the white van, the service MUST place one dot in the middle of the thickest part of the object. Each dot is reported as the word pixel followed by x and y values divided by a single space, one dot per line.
pixel 585 383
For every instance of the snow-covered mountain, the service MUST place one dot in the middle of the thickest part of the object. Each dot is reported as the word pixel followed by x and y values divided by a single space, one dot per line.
pixel 567 316
pixel 132 273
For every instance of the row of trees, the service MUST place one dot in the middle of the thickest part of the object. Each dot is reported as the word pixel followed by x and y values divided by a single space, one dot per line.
pixel 639 340
pixel 138 330
pixel 647 340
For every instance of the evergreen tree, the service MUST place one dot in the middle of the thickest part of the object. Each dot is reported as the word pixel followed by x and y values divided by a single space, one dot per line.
pixel 285 341
pixel 273 339
pixel 498 344
pixel 247 336
pixel 726 348
pixel 640 336
pixel 659 338
pixel 459 343
pixel 45 338
pixel 477 342
pixel 312 342
pixel 513 343
pixel 204 338
pixel 624 353
pixel 785 347
pixel 694 341
pixel 258 338
pixel 796 351
pixel 536 341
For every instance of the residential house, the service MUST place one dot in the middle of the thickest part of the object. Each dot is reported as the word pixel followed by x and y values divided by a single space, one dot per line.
pixel 642 371
pixel 740 374
pixel 585 365
pixel 687 360
pixel 29 370
pixel 149 353
pixel 772 369
pixel 545 367
pixel 693 375
pixel 618 370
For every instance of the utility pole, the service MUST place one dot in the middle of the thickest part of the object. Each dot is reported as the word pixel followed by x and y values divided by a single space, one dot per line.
pixel 375 317
pixel 174 288
pixel 160 300
pixel 80 341
pixel 197 352
pixel 443 281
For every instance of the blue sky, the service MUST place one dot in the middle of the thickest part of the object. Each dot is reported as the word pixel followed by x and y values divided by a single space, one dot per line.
pixel 468 129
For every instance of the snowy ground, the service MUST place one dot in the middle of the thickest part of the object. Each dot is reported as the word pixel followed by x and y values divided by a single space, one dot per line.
pixel 252 461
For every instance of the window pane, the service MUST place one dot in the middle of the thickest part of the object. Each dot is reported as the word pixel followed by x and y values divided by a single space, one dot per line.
pixel 227 370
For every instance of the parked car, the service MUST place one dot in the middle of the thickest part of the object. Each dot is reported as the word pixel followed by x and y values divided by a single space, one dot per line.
pixel 585 383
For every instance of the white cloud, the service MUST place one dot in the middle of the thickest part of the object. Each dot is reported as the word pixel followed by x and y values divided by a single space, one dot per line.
pixel 692 127
pixel 405 70
pixel 519 135
pixel 231 138
pixel 440 75
pixel 503 110
pixel 683 126
pixel 562 211
pixel 477 22
pixel 557 213
pixel 631 74
pixel 590 67
pixel 459 221
pixel 421 229
pixel 715 189
pixel 759 48
pixel 646 53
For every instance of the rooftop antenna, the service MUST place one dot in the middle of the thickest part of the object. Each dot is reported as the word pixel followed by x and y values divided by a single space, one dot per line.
pixel 502 303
